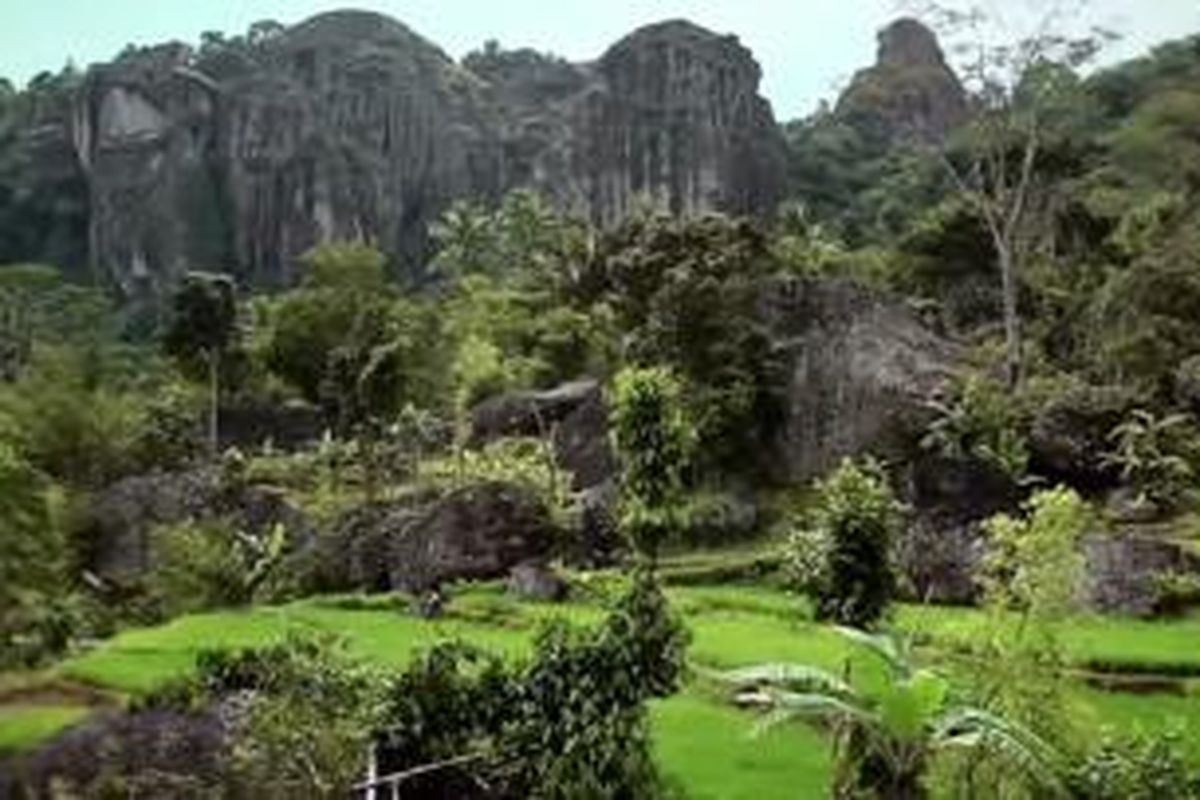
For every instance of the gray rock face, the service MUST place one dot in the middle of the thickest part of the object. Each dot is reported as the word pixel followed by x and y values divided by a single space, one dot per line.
pixel 1124 568
pixel 575 415
pixel 473 533
pixel 910 94
pixel 349 124
pixel 860 372
pixel 122 518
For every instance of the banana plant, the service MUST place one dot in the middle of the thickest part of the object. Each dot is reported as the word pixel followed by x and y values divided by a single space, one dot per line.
pixel 886 738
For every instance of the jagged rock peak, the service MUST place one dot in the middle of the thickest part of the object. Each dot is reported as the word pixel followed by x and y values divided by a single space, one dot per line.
pixel 909 42
pixel 911 93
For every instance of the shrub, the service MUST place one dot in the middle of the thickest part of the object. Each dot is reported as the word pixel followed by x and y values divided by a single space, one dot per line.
pixel 525 462
pixel 570 723
pixel 843 554
pixel 653 440
pixel 1153 454
pixel 981 423
pixel 210 564
pixel 1034 564
pixel 1137 768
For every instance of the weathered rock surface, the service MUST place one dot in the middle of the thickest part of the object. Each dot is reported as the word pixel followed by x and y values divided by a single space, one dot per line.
pixel 1071 433
pixel 477 532
pixel 164 754
pixel 910 94
pixel 243 155
pixel 537 582
pixel 122 518
pixel 574 415
pixel 1124 568
pixel 860 372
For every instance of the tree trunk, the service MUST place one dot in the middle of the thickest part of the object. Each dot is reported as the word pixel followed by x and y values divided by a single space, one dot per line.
pixel 214 401
pixel 1012 320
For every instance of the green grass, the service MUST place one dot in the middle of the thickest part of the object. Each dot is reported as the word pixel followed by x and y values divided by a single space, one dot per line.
pixel 23 726
pixel 703 745
pixel 710 751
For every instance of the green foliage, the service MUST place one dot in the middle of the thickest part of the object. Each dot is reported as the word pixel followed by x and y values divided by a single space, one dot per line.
pixel 981 422
pixel 75 428
pixel 843 554
pixel 525 462
pixel 1034 564
pixel 1153 455
pixel 1137 767
pixel 688 292
pixel 211 564
pixel 886 737
pixel 654 441
pixel 351 344
pixel 307 718
pixel 570 723
pixel 33 621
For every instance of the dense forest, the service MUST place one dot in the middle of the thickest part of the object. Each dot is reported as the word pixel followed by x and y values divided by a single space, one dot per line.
pixel 900 475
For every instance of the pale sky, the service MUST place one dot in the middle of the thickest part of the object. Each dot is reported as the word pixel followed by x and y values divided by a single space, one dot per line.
pixel 807 48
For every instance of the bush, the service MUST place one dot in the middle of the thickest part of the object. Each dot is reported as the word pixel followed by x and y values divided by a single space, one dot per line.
pixel 210 564
pixel 1034 564
pixel 1154 455
pixel 525 462
pixel 1137 768
pixel 843 554
pixel 653 440
pixel 982 423
pixel 568 724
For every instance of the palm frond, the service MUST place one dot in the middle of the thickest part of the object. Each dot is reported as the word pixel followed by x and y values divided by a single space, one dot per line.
pixel 788 675
pixel 884 646
pixel 977 729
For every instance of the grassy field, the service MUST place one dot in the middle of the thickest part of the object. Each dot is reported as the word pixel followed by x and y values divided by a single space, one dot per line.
pixel 703 745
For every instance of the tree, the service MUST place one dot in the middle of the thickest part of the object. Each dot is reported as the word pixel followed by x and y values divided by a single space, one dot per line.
pixel 1022 93
pixel 653 440
pixel 848 543
pixel 203 328
pixel 886 737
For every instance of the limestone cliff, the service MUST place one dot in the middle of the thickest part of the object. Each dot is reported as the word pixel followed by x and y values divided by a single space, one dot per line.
pixel 911 93
pixel 350 124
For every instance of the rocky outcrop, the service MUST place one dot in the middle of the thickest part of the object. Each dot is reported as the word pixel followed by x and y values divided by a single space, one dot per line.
pixel 1126 569
pixel 574 416
pixel 123 517
pixel 859 372
pixel 910 94
pixel 477 532
pixel 1070 434
pixel 245 153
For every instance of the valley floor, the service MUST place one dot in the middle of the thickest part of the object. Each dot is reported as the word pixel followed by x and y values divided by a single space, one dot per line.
pixel 705 747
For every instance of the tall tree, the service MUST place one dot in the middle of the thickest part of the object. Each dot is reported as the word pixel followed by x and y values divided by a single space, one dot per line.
pixel 203 328
pixel 1020 88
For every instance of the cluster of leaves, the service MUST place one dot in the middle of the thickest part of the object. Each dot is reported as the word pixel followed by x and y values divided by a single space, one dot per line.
pixel 1138 767
pixel 569 723
pixel 1156 456
pixel 842 554
pixel 1034 563
pixel 687 294
pixel 887 738
pixel 654 440
pixel 981 422
pixel 525 462
pixel 213 563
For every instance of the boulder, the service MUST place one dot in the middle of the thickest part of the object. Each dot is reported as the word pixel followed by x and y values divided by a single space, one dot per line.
pixel 473 533
pixel 1070 434
pixel 1124 568
pixel 575 415
pixel 535 581
pixel 121 518
pixel 153 753
pixel 859 371
pixel 940 551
